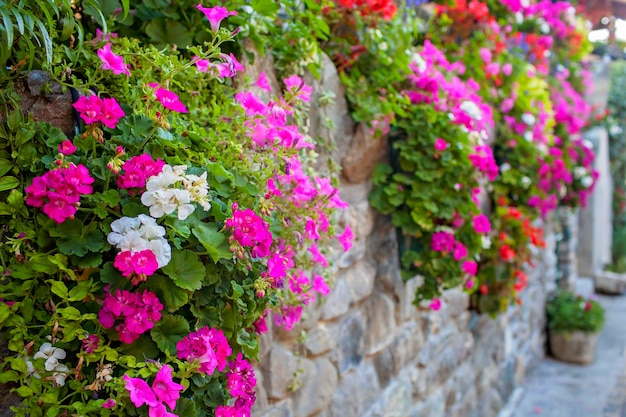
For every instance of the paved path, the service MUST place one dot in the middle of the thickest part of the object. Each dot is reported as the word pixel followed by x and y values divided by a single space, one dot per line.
pixel 556 389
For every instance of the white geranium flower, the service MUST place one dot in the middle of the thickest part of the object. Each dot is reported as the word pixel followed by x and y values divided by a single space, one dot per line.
pixel 528 135
pixel 198 189
pixel 615 130
pixel 588 144
pixel 149 228
pixel 471 109
pixel 587 181
pixel 419 62
pixel 51 355
pixel 526 182
pixel 505 167
pixel 528 118
pixel 579 172
pixel 183 204
pixel 163 180
pixel 486 241
pixel 120 227
pixel 162 251
pixel 160 202
pixel 133 242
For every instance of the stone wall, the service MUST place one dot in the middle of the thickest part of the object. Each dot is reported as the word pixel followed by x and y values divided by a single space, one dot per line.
pixel 367 350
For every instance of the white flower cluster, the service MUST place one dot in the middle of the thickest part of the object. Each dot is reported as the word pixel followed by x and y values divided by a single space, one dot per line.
pixel 586 180
pixel 136 234
pixel 162 198
pixel 52 356
pixel 471 109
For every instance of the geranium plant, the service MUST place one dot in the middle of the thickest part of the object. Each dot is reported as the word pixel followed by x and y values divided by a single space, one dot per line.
pixel 141 258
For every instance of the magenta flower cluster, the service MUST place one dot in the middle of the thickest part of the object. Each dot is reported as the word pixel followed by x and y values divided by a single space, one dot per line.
pixel 164 391
pixel 240 382
pixel 132 314
pixel 93 109
pixel 137 170
pixel 208 346
pixel 59 191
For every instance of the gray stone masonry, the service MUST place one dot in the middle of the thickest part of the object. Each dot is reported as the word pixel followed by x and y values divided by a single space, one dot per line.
pixel 369 351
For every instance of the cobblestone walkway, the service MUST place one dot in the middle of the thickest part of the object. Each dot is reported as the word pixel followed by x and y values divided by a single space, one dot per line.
pixel 556 389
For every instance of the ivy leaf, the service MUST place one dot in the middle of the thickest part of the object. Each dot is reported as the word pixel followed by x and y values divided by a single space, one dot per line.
pixel 168 331
pixel 59 288
pixel 5 311
pixel 212 240
pixel 76 239
pixel 185 269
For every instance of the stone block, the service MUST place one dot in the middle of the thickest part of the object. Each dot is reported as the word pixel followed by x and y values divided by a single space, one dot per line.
pixel 356 393
pixel 319 340
pixel 279 368
pixel 383 362
pixel 380 322
pixel 350 336
pixel 396 399
pixel 318 386
pixel 434 406
pixel 607 282
pixel 406 345
pixel 360 279
pixel 261 403
pixel 364 152
pixel 338 301
pixel 456 301
pixel 280 409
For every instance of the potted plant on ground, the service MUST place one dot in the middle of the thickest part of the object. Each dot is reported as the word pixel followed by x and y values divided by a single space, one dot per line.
pixel 574 324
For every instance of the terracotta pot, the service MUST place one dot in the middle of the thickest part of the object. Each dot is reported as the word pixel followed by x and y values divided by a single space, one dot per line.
pixel 575 347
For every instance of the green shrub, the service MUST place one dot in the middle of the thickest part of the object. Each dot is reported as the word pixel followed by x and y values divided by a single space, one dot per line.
pixel 568 312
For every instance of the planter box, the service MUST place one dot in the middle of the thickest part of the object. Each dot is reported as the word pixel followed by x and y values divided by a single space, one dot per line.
pixel 575 347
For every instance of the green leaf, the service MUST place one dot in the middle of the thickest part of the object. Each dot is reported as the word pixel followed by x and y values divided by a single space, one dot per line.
pixel 265 7
pixel 185 269
pixel 59 288
pixel 24 391
pixel 142 348
pixel 185 408
pixel 9 376
pixel 172 296
pixel 169 331
pixel 110 275
pixel 168 32
pixel 78 240
pixel 5 312
pixel 211 239
pixel 8 183
pixel 70 313
pixel 80 291
pixel 5 166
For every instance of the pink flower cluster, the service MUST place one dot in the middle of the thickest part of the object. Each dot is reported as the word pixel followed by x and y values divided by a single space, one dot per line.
pixel 59 191
pixel 208 346
pixel 112 62
pixel 445 242
pixel 164 391
pixel 241 382
pixel 140 264
pixel 93 109
pixel 215 15
pixel 250 230
pixel 134 313
pixel 137 170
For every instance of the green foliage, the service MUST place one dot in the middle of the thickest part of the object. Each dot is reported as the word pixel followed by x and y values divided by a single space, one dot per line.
pixel 616 126
pixel 568 312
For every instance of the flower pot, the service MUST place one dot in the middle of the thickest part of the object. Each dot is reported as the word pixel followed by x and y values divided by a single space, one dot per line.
pixel 575 347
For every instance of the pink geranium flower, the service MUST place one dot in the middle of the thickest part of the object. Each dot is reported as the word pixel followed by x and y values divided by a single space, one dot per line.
pixel 229 67
pixel 67 147
pixel 262 82
pixel 296 86
pixel 469 267
pixel 435 304
pixel 140 392
pixel 481 224
pixel 215 15
pixel 202 65
pixel 111 112
pixel 346 239
pixel 112 62
pixel 168 99
pixel 165 388
pixel 90 108
pixel 440 144
pixel 320 285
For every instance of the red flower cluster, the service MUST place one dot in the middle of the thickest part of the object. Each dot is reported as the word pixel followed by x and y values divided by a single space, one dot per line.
pixel 386 9
pixel 464 12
